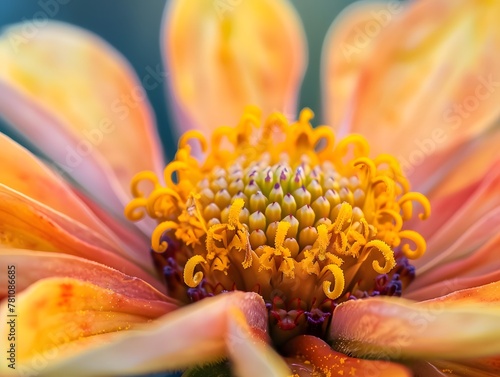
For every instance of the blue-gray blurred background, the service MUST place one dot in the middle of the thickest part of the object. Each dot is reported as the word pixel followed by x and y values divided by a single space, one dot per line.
pixel 133 26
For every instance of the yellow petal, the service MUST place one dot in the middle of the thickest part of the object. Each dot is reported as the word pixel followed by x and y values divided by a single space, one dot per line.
pixel 79 101
pixel 195 334
pixel 462 325
pixel 432 79
pixel 24 173
pixel 26 224
pixel 224 55
pixel 347 47
pixel 57 317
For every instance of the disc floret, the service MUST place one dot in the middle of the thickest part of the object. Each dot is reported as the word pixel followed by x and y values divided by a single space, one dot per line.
pixel 282 210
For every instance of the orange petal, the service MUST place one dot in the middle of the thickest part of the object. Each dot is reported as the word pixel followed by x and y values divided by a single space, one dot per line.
pixel 26 224
pixel 57 317
pixel 195 334
pixel 249 354
pixel 79 101
pixel 23 172
pixel 225 55
pixel 471 368
pixel 463 325
pixel 307 351
pixel 432 78
pixel 346 50
pixel 32 266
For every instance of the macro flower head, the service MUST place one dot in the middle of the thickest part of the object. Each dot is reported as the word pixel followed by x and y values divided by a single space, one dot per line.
pixel 270 245
pixel 281 212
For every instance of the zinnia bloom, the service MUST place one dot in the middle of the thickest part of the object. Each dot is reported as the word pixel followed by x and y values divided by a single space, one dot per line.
pixel 284 248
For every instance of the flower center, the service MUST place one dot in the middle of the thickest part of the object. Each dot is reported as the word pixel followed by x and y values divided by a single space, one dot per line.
pixel 284 211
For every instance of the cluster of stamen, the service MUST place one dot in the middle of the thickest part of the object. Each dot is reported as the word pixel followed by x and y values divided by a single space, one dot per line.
pixel 284 211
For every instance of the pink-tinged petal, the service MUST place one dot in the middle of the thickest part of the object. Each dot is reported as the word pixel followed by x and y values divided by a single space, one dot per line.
pixel 26 224
pixel 80 102
pixel 484 296
pixel 32 266
pixel 442 173
pixel 57 317
pixel 459 213
pixel 467 257
pixel 462 325
pixel 346 50
pixel 23 172
pixel 482 156
pixel 223 56
pixel 463 245
pixel 191 335
pixel 307 351
pixel 432 78
pixel 451 285
pixel 132 240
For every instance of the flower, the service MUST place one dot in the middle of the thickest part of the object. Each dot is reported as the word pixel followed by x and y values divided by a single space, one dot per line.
pixel 82 285
pixel 281 212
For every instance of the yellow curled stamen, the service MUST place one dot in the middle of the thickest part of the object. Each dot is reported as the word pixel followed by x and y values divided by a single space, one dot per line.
pixel 338 277
pixel 360 149
pixel 344 217
pixel 193 135
pixel 159 195
pixel 281 232
pixel 323 134
pixel 171 168
pixel 274 120
pixel 218 135
pixel 136 209
pixel 305 116
pixel 415 197
pixel 190 278
pixel 161 228
pixel 387 253
pixel 323 241
pixel 394 167
pixel 398 220
pixel 234 212
pixel 389 184
pixel 419 242
pixel 368 164
pixel 141 177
